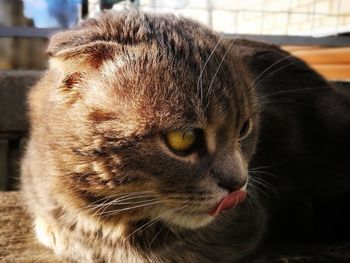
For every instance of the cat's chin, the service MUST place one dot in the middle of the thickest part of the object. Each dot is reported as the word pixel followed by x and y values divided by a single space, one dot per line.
pixel 190 221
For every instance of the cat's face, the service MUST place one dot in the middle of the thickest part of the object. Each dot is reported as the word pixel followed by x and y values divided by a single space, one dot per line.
pixel 150 132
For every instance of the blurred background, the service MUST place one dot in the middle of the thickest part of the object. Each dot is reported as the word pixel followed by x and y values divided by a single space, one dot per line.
pixel 317 31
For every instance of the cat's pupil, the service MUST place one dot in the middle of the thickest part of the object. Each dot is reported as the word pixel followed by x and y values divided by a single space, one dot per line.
pixel 245 129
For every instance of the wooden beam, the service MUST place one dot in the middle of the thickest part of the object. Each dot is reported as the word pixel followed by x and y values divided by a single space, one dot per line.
pixel 298 48
pixel 324 55
pixel 333 72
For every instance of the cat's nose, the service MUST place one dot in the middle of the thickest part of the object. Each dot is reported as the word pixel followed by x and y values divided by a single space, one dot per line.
pixel 229 182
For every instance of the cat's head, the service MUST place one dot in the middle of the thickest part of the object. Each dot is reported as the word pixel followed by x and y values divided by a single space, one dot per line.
pixel 153 117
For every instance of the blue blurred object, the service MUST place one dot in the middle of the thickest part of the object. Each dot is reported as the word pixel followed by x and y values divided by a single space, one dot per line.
pixel 53 13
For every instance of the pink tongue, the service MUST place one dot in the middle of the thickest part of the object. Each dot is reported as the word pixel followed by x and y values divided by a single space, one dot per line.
pixel 228 202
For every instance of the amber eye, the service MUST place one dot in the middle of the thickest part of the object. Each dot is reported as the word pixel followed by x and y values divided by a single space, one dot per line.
pixel 245 129
pixel 180 141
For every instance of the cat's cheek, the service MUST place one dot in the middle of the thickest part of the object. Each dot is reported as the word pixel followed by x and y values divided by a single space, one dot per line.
pixel 191 221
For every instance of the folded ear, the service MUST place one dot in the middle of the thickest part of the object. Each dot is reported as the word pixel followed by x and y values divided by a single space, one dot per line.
pixel 85 57
pixel 75 63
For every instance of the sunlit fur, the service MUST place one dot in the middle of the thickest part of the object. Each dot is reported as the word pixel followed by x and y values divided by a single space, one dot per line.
pixel 96 153
pixel 97 175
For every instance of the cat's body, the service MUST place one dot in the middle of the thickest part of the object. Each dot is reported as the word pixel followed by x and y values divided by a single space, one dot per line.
pixel 305 129
pixel 100 124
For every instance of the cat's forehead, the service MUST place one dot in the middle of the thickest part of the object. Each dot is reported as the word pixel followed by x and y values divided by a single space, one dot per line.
pixel 153 71
pixel 148 87
pixel 132 28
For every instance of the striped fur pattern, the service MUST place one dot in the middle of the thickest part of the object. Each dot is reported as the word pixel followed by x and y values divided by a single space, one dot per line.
pixel 98 179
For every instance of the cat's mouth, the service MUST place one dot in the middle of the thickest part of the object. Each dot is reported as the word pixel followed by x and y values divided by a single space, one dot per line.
pixel 198 218
pixel 228 202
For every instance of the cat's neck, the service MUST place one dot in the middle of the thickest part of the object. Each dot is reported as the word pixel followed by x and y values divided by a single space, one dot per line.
pixel 143 234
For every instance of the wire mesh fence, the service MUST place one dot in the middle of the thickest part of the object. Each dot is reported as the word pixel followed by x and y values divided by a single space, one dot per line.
pixel 282 22
pixel 287 17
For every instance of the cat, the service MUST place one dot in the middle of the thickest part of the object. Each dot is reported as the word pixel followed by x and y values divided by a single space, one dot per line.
pixel 153 139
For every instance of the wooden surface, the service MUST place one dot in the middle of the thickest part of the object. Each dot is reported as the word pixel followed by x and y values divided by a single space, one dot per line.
pixel 17 241
pixel 333 63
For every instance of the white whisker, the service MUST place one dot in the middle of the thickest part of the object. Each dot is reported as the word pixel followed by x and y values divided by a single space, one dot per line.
pixel 268 68
pixel 286 92
pixel 199 81
pixel 263 183
pixel 133 207
pixel 219 66
pixel 107 201
pixel 153 221
pixel 264 167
